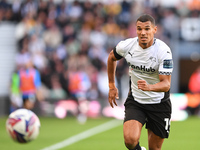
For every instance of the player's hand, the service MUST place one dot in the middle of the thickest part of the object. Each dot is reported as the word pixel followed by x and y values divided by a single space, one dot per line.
pixel 112 96
pixel 142 84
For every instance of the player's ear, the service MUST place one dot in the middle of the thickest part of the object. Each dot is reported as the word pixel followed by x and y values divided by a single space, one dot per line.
pixel 155 29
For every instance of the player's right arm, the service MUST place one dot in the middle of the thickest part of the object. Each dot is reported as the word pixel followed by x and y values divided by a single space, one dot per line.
pixel 117 53
pixel 111 69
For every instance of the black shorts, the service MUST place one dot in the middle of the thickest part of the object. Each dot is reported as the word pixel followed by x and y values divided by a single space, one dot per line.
pixel 156 116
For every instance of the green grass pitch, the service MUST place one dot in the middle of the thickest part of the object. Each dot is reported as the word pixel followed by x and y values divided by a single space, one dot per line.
pixel 184 135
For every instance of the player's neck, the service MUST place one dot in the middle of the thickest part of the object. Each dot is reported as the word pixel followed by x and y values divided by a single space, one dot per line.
pixel 146 45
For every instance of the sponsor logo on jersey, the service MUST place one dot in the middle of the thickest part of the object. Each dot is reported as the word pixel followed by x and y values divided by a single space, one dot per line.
pixel 168 63
pixel 142 68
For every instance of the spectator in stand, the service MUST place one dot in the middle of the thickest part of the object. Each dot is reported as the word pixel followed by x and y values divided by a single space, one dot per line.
pixel 37 50
pixel 5 10
pixel 56 92
pixel 23 53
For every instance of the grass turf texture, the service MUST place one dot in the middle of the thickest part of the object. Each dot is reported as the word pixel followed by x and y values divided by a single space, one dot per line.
pixel 184 135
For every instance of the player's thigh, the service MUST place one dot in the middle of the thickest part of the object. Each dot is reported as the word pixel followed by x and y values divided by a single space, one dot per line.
pixel 159 121
pixel 132 130
pixel 134 119
pixel 155 142
pixel 134 111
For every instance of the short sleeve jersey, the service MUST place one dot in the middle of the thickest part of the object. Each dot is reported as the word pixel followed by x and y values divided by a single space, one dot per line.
pixel 146 64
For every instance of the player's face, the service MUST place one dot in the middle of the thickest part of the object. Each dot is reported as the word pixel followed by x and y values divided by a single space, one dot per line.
pixel 145 32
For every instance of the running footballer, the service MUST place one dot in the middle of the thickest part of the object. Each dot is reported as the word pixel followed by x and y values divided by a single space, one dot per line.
pixel 148 102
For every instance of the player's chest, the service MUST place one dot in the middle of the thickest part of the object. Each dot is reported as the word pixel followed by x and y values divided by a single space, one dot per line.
pixel 145 60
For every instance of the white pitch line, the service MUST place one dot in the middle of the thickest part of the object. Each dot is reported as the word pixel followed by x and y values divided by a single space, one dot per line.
pixel 86 134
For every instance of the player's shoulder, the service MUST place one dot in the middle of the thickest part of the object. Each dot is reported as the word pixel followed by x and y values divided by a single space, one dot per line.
pixel 134 39
pixel 163 50
pixel 161 44
pixel 127 43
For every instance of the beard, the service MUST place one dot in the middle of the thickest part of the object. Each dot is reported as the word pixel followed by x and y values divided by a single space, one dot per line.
pixel 144 45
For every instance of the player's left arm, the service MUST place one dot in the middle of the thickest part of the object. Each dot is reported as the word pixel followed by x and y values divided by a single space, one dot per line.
pixel 165 70
pixel 162 86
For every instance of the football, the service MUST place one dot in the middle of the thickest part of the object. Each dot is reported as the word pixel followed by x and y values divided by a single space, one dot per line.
pixel 23 125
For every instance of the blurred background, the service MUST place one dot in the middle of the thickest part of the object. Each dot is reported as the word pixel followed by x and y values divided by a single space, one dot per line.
pixel 68 43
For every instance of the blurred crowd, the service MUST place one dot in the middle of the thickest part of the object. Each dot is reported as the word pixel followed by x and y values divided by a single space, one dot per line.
pixel 69 42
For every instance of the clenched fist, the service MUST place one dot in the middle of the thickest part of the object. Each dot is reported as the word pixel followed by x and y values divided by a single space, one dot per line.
pixel 142 84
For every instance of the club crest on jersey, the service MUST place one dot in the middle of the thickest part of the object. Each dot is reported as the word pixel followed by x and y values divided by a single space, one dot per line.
pixel 168 63
pixel 153 59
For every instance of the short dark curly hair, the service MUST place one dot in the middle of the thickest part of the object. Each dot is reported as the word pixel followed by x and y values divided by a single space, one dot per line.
pixel 145 18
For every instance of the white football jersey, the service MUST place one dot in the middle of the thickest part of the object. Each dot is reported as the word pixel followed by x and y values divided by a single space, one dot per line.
pixel 146 64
